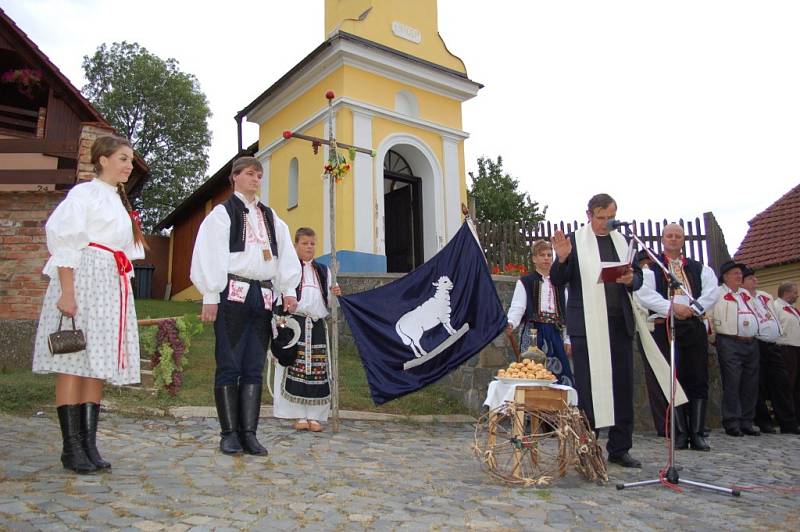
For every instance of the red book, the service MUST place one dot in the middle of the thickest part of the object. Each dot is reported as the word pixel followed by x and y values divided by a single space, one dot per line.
pixel 611 271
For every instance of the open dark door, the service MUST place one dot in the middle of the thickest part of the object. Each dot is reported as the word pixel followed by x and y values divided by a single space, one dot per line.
pixel 399 230
pixel 402 215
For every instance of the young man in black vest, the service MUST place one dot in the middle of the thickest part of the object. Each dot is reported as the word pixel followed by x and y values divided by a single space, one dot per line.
pixel 691 336
pixel 243 260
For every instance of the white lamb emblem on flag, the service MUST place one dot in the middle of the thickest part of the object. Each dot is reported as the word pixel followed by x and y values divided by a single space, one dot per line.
pixel 413 324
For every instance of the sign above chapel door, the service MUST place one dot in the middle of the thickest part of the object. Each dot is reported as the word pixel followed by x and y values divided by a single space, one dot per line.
pixel 406 32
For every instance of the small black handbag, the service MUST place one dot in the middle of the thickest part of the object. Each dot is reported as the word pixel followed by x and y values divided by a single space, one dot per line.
pixel 64 342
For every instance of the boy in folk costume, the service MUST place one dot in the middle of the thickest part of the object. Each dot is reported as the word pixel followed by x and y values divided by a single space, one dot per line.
pixel 302 389
pixel 538 304
pixel 243 259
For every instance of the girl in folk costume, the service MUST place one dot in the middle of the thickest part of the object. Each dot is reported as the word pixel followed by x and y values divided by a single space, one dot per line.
pixel 540 305
pixel 302 389
pixel 92 237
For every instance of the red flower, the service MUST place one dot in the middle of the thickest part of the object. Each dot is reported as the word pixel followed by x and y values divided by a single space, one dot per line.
pixel 287 134
pixel 137 218
pixel 495 270
pixel 330 95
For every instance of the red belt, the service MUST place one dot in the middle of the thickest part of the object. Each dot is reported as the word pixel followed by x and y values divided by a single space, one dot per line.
pixel 124 267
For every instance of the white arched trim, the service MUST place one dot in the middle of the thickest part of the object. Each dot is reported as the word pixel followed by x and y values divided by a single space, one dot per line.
pixel 430 172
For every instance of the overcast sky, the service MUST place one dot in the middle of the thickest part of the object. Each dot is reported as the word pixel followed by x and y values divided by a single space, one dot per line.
pixel 674 108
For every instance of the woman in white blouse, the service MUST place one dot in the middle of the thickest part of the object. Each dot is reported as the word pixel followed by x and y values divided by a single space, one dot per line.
pixel 92 236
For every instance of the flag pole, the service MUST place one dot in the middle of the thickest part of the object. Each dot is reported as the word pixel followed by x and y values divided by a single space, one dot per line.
pixel 333 356
pixel 510 335
pixel 333 162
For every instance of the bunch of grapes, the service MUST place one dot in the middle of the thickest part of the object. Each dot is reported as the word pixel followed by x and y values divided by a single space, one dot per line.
pixel 168 333
pixel 177 381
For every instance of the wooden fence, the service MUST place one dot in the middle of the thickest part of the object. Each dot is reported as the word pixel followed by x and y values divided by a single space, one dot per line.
pixel 510 242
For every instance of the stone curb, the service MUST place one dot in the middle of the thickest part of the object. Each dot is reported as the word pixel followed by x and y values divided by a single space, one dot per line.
pixel 184 412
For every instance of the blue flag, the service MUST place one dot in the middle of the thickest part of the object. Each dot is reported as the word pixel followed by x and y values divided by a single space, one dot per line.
pixel 417 329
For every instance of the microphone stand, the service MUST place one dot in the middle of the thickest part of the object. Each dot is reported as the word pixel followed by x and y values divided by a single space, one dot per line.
pixel 672 476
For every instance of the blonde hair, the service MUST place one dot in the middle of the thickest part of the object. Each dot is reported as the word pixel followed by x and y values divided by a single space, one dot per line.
pixel 539 246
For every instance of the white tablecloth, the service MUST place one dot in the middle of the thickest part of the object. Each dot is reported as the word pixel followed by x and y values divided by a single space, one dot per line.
pixel 500 392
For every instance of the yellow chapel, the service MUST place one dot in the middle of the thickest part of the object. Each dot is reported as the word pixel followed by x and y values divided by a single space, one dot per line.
pixel 398 92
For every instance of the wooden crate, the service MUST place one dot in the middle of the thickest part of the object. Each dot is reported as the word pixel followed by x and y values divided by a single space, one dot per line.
pixel 533 398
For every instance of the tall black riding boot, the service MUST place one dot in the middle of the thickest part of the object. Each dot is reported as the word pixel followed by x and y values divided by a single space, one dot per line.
pixel 227 399
pixel 697 418
pixel 250 403
pixel 90 413
pixel 73 456
pixel 681 432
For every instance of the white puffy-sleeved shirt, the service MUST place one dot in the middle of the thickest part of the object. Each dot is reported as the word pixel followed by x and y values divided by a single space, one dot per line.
pixel 212 259
pixel 519 301
pixel 652 300
pixel 91 212
pixel 311 303
pixel 547 303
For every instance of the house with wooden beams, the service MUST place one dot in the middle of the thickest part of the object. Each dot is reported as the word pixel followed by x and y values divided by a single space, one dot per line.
pixel 46 131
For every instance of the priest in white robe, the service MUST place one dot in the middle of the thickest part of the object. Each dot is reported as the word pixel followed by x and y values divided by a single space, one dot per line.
pixel 600 324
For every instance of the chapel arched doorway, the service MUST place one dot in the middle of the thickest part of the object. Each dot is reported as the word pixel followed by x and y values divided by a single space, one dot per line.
pixel 402 214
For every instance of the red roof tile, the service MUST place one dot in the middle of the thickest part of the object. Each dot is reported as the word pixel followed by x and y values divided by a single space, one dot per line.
pixel 774 234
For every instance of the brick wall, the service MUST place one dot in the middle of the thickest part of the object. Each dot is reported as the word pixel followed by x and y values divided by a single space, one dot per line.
pixel 23 251
pixel 89 132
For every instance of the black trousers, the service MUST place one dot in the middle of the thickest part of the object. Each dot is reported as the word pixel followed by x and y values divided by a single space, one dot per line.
pixel 691 358
pixel 773 385
pixel 243 333
pixel 620 436
pixel 738 367
pixel 791 358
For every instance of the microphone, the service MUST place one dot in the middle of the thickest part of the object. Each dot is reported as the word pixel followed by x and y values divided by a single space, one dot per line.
pixel 616 224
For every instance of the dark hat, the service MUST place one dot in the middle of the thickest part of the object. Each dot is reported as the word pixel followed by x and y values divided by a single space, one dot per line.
pixel 642 255
pixel 284 343
pixel 747 272
pixel 728 266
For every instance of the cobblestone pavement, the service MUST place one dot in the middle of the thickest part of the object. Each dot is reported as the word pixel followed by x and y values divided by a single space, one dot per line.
pixel 168 474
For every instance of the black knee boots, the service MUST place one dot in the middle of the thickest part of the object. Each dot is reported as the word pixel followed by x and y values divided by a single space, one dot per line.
pixel 89 416
pixel 227 399
pixel 681 432
pixel 697 419
pixel 249 408
pixel 73 455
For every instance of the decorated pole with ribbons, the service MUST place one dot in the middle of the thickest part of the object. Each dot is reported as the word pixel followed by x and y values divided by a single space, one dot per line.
pixel 334 171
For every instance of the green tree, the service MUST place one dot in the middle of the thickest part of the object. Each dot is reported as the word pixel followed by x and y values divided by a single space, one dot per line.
pixel 164 114
pixel 497 197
